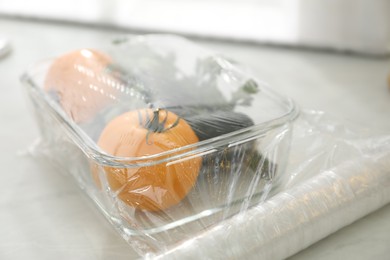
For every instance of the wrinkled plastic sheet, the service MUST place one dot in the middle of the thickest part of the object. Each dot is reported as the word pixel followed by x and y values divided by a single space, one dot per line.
pixel 336 176
pixel 165 137
pixel 261 184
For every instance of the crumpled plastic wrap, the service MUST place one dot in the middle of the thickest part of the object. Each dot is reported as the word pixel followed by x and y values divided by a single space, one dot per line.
pixel 187 155
pixel 337 174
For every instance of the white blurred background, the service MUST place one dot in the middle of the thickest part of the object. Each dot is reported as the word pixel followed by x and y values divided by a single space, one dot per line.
pixel 345 25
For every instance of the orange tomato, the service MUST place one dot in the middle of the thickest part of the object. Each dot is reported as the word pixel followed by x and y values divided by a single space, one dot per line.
pixel 81 84
pixel 143 133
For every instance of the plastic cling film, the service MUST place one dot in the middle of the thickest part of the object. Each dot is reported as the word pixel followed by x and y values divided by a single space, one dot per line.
pixel 183 152
pixel 326 195
pixel 338 173
pixel 163 135
pixel 77 79
pixel 298 217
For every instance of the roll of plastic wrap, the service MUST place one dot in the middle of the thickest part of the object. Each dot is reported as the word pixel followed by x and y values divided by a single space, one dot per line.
pixel 298 217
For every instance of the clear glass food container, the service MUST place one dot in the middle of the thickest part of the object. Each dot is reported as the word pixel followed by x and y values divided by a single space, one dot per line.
pixel 165 137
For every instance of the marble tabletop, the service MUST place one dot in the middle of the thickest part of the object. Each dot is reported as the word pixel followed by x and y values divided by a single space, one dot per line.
pixel 43 215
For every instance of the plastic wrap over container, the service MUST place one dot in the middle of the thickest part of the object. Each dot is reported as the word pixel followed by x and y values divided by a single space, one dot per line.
pixel 337 173
pixel 189 157
pixel 168 139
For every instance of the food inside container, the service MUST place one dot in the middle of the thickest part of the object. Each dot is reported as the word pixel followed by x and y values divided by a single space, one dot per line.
pixel 167 138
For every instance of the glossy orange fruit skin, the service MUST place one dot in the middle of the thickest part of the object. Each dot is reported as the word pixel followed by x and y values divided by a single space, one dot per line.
pixel 81 83
pixel 160 185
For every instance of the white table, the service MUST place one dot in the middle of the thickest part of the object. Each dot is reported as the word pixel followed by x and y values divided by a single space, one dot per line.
pixel 43 215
